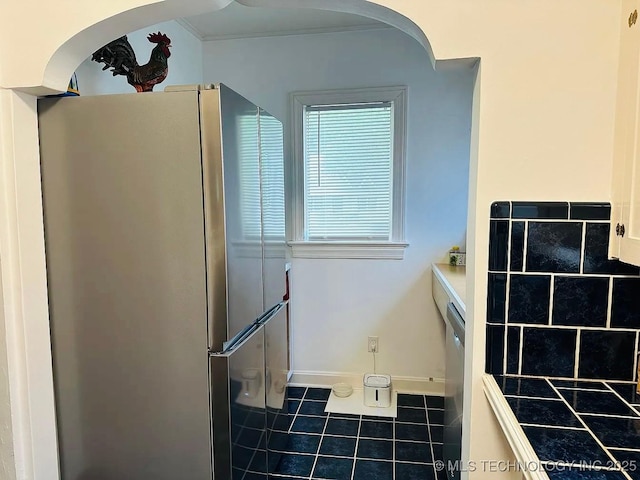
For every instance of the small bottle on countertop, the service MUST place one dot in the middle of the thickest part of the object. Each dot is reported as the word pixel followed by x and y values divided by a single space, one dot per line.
pixel 456 257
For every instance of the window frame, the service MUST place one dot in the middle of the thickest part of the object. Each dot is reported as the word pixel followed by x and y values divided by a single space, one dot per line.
pixel 391 249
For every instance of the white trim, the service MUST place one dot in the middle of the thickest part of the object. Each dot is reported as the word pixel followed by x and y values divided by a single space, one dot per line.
pixel 415 385
pixel 360 250
pixel 24 285
pixel 298 100
pixel 512 430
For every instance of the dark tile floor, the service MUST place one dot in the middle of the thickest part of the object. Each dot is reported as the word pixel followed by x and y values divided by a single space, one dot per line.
pixel 357 447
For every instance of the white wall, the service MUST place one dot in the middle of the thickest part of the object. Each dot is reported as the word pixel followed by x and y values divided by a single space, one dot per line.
pixel 338 303
pixel 185 62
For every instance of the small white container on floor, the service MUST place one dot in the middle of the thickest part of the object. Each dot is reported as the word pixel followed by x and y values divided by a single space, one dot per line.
pixel 377 390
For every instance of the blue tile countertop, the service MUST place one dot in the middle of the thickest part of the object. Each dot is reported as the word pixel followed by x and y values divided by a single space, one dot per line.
pixel 563 429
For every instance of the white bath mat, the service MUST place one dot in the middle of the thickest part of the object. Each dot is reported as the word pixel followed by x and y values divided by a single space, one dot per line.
pixel 354 405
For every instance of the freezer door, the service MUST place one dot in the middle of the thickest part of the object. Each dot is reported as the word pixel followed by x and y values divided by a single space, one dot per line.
pixel 122 193
pixel 240 151
pixel 276 354
pixel 273 213
pixel 238 410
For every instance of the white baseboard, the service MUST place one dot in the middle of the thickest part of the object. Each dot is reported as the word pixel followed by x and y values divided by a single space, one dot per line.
pixel 417 385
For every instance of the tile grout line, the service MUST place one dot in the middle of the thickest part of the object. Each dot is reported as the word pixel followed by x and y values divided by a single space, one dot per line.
pixel 433 457
pixel 552 285
pixel 609 303
pixel 532 398
pixel 635 360
pixel 581 388
pixel 553 220
pixel 355 452
pixel 576 359
pixel 607 415
pixel 505 334
pixel 571 327
pixel 507 287
pixel 583 245
pixel 365 420
pixel 625 449
pixel 509 233
pixel 525 245
pixel 569 379
pixel 520 349
pixel 295 415
pixel 561 427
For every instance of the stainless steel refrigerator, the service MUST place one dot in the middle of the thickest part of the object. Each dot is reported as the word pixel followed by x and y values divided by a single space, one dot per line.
pixel 165 249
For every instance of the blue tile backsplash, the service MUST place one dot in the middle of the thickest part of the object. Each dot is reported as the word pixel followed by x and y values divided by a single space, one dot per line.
pixel 606 355
pixel 497 297
pixel 529 299
pixel 540 210
pixel 548 352
pixel 580 301
pixel 625 310
pixel 554 247
pixel 557 306
pixel 517 246
pixel 498 245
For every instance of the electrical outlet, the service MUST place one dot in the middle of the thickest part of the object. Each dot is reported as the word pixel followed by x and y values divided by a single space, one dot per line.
pixel 373 345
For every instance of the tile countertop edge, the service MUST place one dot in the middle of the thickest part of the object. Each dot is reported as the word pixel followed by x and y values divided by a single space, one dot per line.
pixel 453 279
pixel 516 437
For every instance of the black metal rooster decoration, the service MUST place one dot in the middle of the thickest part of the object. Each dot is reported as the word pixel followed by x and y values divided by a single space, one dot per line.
pixel 120 57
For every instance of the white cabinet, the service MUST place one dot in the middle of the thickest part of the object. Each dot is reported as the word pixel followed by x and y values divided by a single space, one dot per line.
pixel 625 216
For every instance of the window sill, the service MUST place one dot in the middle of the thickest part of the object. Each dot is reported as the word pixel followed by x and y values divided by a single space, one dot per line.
pixel 355 250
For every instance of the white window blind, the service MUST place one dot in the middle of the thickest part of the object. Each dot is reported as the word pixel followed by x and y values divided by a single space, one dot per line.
pixel 348 171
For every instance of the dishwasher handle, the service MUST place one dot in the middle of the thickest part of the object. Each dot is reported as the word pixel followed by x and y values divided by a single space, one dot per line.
pixel 456 321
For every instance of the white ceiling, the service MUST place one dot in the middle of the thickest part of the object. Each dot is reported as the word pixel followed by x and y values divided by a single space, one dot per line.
pixel 239 21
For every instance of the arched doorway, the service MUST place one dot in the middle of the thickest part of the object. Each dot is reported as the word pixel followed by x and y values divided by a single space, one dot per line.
pixel 23 269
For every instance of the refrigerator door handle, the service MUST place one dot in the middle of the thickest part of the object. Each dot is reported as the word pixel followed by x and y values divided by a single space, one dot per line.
pixel 273 311
pixel 238 338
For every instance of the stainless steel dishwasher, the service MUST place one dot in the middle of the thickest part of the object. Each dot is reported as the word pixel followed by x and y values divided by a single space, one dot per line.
pixel 454 383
